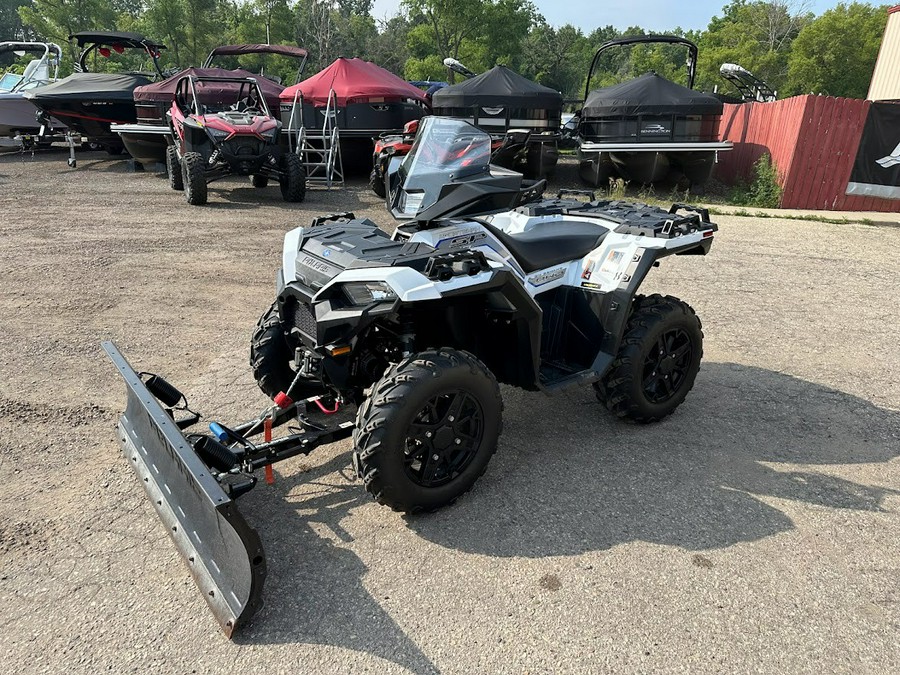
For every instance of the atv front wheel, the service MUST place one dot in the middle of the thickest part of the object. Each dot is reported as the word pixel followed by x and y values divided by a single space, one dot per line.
pixel 271 359
pixel 173 168
pixel 293 178
pixel 193 176
pixel 657 362
pixel 259 181
pixel 428 430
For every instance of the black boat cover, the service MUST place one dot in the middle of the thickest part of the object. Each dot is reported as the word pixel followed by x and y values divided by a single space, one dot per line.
pixel 208 92
pixel 135 40
pixel 78 86
pixel 498 87
pixel 649 94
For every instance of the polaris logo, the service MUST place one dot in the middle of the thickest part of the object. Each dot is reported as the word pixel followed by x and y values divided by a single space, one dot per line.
pixel 318 265
pixel 542 278
pixel 891 160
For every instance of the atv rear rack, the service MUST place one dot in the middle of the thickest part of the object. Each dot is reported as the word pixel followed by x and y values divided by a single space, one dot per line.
pixel 194 480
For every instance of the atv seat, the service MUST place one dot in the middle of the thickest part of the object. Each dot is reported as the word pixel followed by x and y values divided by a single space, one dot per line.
pixel 550 243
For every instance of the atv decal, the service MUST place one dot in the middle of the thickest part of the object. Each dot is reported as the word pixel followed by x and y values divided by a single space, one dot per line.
pixel 547 276
pixel 320 266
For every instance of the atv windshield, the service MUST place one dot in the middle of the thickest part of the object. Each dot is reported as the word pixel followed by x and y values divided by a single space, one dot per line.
pixel 444 150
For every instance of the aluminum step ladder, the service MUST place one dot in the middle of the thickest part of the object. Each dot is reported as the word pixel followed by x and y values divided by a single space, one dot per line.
pixel 318 147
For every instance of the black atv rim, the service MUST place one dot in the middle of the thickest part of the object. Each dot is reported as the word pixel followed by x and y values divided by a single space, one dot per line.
pixel 667 365
pixel 443 439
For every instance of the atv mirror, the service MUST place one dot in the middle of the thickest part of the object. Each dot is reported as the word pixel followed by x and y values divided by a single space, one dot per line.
pixel 411 127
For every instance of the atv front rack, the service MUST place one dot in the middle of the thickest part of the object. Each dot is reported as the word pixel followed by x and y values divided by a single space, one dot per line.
pixel 194 479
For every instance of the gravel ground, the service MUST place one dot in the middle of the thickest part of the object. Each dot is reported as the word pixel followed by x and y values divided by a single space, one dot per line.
pixel 756 530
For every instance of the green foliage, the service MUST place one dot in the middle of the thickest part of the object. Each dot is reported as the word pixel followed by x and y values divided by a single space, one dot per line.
pixel 836 53
pixel 764 191
pixel 756 35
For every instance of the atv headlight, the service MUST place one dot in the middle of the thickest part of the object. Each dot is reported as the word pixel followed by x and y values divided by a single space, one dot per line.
pixel 363 293
pixel 218 134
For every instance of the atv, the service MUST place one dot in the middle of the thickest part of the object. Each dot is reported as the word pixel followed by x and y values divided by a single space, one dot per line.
pixel 401 342
pixel 217 140
pixel 509 150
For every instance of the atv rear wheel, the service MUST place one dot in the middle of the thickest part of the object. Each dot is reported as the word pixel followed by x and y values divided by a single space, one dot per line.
pixel 428 430
pixel 193 176
pixel 173 168
pixel 293 178
pixel 376 182
pixel 259 181
pixel 271 359
pixel 657 362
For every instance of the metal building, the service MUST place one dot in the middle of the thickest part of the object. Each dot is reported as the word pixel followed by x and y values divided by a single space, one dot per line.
pixel 885 84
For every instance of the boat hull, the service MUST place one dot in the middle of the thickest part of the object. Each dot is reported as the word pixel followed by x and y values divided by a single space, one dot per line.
pixel 682 165
pixel 146 143
pixel 18 116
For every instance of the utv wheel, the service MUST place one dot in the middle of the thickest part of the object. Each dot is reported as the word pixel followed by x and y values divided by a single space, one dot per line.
pixel 259 181
pixel 293 178
pixel 376 182
pixel 193 176
pixel 428 430
pixel 271 359
pixel 657 362
pixel 173 168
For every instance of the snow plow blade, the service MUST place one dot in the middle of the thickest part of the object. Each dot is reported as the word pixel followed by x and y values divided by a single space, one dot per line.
pixel 224 554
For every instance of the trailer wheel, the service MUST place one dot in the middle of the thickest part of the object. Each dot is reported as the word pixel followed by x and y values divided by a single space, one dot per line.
pixel 293 178
pixel 428 430
pixel 193 176
pixel 657 362
pixel 173 168
pixel 259 181
pixel 376 182
pixel 271 359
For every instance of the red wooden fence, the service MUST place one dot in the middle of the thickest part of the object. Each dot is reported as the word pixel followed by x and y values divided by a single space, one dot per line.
pixel 812 140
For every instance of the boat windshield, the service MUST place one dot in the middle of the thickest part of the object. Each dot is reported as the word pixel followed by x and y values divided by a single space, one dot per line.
pixel 9 81
pixel 444 150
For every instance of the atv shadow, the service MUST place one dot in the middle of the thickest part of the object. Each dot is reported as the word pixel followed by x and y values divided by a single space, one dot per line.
pixel 572 479
pixel 315 593
pixel 567 479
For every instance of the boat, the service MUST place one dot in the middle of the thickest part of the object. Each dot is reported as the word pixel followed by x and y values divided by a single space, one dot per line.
pixel 90 102
pixel 359 99
pixel 17 115
pixel 649 129
pixel 148 136
pixel 500 100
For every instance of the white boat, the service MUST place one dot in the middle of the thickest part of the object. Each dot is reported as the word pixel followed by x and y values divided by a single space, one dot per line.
pixel 18 115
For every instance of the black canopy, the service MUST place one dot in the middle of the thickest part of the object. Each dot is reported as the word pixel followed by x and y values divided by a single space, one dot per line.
pixel 135 40
pixel 649 94
pixel 498 87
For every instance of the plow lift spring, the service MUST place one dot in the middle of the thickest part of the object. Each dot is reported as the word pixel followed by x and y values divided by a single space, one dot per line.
pixel 193 481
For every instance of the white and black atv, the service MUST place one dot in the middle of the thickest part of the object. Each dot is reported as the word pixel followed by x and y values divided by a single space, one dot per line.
pixel 401 341
pixel 417 329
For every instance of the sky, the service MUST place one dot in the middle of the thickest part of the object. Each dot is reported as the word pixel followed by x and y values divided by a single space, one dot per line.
pixel 654 15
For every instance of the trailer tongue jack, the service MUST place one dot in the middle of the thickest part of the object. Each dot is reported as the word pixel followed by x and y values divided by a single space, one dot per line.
pixel 193 480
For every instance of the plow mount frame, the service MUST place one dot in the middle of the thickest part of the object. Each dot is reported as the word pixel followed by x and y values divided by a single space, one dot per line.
pixel 196 502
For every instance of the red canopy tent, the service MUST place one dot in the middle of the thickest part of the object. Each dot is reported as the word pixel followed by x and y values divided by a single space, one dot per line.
pixel 354 81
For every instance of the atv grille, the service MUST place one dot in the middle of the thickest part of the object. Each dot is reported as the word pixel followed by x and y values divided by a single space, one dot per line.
pixel 301 316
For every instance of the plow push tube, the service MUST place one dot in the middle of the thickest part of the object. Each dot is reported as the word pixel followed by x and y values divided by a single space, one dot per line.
pixel 224 554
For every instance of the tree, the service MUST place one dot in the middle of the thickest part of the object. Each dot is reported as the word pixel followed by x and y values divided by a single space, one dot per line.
pixel 836 53
pixel 55 20
pixel 756 35
pixel 478 32
pixel 11 26
pixel 557 57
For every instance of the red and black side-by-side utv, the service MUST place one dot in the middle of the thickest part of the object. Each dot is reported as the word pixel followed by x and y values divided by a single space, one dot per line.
pixel 222 127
